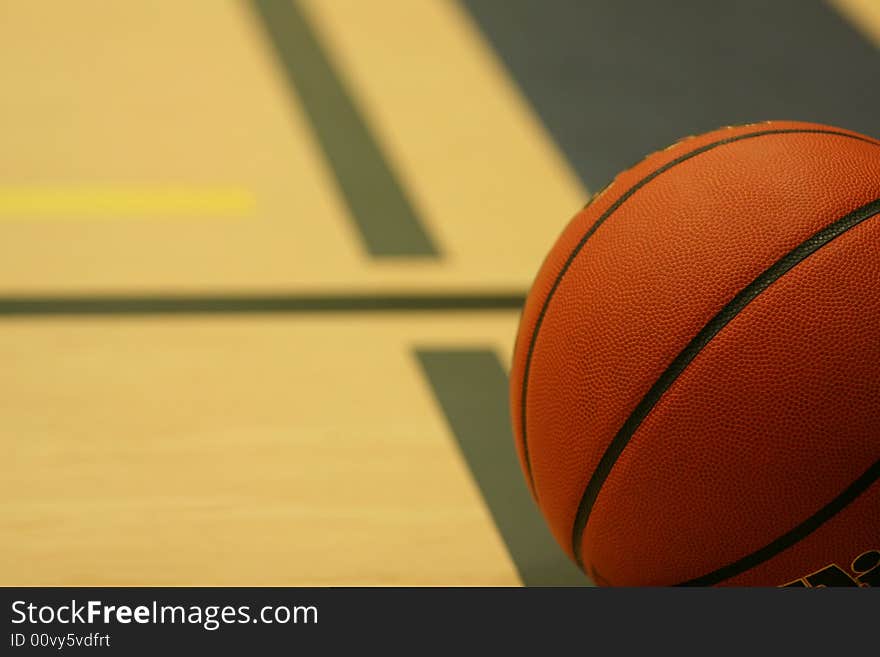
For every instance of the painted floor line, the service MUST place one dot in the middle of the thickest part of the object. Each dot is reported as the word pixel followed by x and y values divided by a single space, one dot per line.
pixel 471 388
pixel 57 305
pixel 105 201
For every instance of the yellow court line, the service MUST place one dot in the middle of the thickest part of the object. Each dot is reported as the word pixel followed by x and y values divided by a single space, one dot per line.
pixel 863 14
pixel 58 202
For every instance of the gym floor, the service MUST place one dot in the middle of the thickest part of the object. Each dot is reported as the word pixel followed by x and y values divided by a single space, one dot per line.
pixel 261 262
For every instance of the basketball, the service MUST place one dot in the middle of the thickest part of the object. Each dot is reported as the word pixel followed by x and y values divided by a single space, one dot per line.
pixel 695 386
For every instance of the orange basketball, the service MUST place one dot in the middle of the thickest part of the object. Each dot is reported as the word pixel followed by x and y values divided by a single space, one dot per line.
pixel 695 387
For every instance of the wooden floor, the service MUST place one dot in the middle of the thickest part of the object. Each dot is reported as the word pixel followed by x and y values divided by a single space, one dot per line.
pixel 153 149
pixel 208 375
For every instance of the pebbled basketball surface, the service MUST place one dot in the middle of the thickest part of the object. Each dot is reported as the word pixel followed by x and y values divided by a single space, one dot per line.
pixel 695 380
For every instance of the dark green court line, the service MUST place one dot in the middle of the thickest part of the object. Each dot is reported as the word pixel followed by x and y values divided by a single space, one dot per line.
pixel 471 388
pixel 614 81
pixel 385 218
pixel 15 306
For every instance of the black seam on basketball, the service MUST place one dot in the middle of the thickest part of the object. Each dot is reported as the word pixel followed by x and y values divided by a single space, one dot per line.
pixel 735 306
pixel 807 527
pixel 613 208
